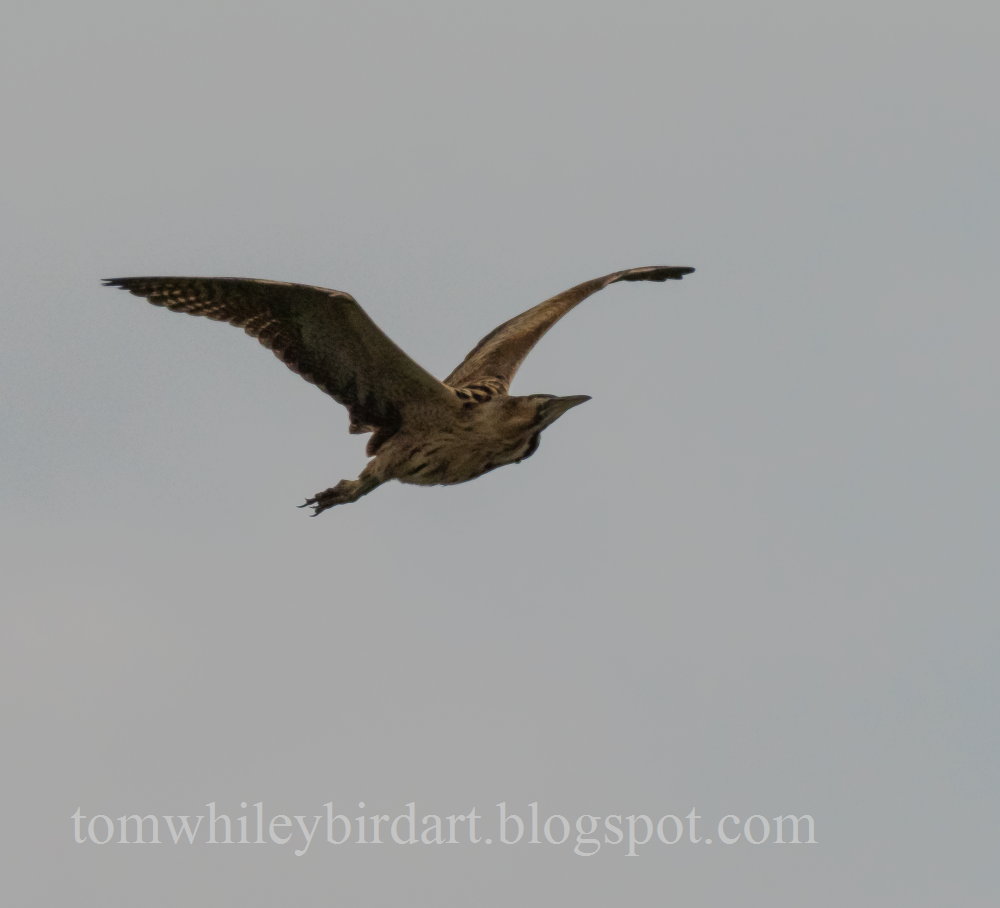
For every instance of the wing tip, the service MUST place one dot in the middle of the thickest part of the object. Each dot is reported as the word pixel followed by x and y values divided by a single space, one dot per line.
pixel 656 273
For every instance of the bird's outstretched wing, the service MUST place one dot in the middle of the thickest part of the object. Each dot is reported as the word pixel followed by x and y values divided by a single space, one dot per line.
pixel 496 358
pixel 323 335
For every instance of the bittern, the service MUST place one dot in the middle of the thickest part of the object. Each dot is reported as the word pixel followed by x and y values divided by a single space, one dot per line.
pixel 424 431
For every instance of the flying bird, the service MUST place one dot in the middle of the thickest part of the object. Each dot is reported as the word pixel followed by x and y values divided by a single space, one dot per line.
pixel 423 431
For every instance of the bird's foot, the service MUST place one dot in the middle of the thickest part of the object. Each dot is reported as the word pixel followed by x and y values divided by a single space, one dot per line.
pixel 344 492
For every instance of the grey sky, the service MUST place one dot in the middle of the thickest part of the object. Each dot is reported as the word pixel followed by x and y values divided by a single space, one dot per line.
pixel 755 574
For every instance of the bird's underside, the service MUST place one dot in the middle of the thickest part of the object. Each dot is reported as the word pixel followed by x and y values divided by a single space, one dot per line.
pixel 423 431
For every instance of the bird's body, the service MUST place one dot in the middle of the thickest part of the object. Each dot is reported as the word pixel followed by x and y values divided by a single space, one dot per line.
pixel 424 431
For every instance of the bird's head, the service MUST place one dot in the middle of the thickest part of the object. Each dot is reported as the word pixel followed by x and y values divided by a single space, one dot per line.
pixel 528 416
pixel 548 408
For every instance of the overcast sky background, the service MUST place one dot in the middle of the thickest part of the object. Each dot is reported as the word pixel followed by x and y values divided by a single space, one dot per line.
pixel 757 573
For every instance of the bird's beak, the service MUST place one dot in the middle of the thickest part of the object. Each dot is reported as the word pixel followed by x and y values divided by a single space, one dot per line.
pixel 559 405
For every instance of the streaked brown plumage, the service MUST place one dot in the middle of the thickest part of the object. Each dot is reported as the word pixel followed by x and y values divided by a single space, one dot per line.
pixel 424 431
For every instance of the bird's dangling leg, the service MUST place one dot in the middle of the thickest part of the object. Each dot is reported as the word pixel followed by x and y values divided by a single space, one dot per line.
pixel 344 492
